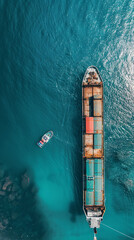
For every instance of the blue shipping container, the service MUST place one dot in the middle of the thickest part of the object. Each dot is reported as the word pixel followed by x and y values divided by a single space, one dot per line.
pixel 97 124
pixel 98 167
pixel 90 167
pixel 97 141
pixel 89 198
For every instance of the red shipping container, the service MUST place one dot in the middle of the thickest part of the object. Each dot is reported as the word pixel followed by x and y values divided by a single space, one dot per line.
pixel 89 125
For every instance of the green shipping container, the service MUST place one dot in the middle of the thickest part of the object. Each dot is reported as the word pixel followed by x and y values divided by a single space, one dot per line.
pixel 97 141
pixel 90 167
pixel 98 167
pixel 98 198
pixel 89 198
pixel 89 184
pixel 97 124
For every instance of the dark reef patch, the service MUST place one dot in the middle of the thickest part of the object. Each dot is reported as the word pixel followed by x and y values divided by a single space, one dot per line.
pixel 20 217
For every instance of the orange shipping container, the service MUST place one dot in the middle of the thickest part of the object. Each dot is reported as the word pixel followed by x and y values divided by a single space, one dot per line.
pixel 89 125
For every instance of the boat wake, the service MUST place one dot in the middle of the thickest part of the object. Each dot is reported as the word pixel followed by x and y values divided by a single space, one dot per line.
pixel 117 231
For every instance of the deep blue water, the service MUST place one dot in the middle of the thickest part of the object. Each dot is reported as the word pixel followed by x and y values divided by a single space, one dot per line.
pixel 45 48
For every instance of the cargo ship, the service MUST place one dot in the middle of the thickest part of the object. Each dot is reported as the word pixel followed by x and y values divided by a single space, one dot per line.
pixel 93 148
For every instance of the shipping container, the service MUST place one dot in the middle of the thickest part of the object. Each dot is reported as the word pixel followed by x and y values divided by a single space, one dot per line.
pixel 97 92
pixel 97 108
pixel 89 125
pixel 89 198
pixel 89 151
pixel 87 92
pixel 88 140
pixel 98 125
pixel 90 167
pixel 97 141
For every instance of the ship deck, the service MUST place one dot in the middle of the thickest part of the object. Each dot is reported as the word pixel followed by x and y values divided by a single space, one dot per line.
pixel 93 144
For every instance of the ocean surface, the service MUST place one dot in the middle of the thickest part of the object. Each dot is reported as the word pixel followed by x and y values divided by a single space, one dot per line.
pixel 45 49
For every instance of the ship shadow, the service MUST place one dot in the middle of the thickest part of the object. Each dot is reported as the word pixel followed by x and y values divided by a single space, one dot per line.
pixel 75 207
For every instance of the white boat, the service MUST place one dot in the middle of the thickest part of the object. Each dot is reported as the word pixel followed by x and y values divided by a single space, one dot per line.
pixel 45 139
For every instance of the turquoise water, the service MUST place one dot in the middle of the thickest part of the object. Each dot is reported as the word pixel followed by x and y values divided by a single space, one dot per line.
pixel 45 48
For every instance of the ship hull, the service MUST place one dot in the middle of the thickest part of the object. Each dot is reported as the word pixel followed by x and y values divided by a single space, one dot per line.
pixel 93 147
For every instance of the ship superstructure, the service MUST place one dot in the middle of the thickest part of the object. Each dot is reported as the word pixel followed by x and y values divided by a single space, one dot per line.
pixel 93 147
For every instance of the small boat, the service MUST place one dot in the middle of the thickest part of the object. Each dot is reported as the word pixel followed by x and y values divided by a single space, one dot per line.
pixel 45 139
